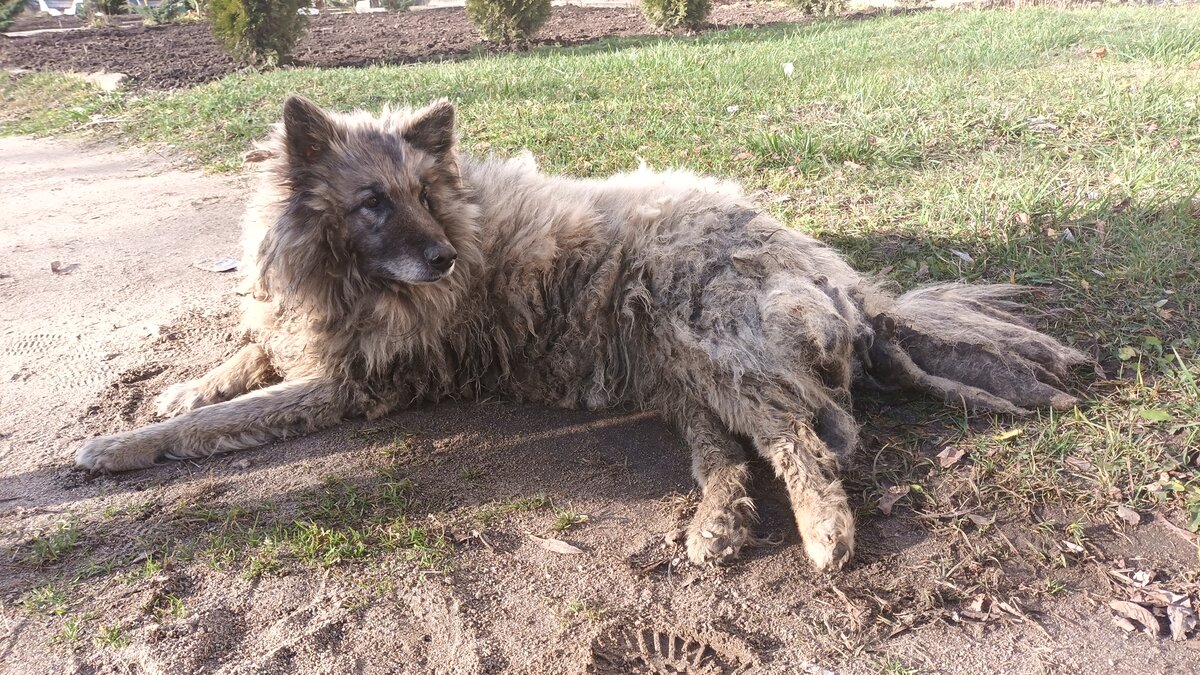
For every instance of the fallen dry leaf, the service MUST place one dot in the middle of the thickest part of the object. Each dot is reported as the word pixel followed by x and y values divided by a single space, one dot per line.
pixel 981 521
pixel 257 156
pixel 894 494
pixel 1137 614
pixel 950 456
pixel 57 267
pixel 556 545
pixel 1072 547
pixel 1129 515
pixel 980 603
pixel 1022 218
pixel 1178 531
pixel 1182 619
pixel 1099 52
pixel 217 264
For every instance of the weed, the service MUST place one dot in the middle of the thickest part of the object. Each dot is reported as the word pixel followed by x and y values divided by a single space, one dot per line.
pixel 71 632
pixel 580 609
pixel 111 637
pixel 46 599
pixel 497 510
pixel 49 547
pixel 565 519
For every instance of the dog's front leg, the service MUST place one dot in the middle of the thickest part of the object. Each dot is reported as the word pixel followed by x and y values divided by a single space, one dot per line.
pixel 721 525
pixel 246 370
pixel 285 409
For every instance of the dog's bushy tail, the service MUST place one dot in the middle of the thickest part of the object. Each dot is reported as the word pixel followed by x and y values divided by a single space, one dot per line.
pixel 970 345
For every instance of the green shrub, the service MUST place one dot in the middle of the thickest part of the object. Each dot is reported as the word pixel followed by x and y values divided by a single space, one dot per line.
pixel 110 7
pixel 168 11
pixel 506 21
pixel 396 5
pixel 258 32
pixel 9 11
pixel 676 13
pixel 819 6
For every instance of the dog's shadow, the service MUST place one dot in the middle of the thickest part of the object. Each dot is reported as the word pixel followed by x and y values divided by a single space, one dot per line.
pixel 505 470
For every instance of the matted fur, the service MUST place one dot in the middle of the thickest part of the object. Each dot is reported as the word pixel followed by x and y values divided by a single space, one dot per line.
pixel 665 291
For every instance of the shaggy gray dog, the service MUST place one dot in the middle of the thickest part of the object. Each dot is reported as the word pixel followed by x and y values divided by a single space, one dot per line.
pixel 385 269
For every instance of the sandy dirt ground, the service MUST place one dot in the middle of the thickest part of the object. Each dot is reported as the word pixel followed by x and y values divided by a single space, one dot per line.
pixel 171 570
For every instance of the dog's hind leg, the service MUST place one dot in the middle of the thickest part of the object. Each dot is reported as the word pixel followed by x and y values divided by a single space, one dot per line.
pixel 721 525
pixel 248 369
pixel 286 409
pixel 809 470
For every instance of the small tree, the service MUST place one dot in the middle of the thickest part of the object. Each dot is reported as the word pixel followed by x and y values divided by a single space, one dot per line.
pixel 258 32
pixel 9 11
pixel 506 21
pixel 669 14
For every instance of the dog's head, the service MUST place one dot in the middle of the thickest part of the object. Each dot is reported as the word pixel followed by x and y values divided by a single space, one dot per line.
pixel 383 186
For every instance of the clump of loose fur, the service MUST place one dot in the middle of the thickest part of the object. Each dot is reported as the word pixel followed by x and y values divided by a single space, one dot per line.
pixel 386 269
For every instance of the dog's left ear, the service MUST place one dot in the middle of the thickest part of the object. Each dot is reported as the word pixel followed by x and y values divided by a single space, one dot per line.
pixel 432 128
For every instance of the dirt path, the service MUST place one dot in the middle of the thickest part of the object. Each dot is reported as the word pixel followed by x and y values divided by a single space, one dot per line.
pixel 181 568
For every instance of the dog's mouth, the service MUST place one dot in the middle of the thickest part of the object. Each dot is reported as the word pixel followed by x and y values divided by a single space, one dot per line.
pixel 405 273
pixel 437 276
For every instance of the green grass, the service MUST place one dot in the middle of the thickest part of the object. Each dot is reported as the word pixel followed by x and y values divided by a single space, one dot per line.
pixel 582 610
pixel 495 511
pixel 111 637
pixel 337 523
pixel 70 633
pixel 46 599
pixel 50 546
pixel 566 519
pixel 933 146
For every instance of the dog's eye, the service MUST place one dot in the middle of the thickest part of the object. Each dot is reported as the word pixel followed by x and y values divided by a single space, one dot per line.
pixel 425 198
pixel 371 202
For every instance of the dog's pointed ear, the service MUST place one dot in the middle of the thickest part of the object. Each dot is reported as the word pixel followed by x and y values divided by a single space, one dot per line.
pixel 308 130
pixel 432 128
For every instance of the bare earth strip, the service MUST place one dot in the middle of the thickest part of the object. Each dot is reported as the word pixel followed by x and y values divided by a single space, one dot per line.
pixel 174 569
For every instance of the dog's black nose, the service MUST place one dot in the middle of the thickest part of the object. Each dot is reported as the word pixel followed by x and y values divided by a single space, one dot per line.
pixel 440 256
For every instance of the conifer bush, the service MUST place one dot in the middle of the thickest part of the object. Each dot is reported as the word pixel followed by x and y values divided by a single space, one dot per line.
pixel 258 32
pixel 668 14
pixel 507 21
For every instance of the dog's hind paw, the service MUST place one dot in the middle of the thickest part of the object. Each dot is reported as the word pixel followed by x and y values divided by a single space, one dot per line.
pixel 717 535
pixel 120 452
pixel 827 529
pixel 180 398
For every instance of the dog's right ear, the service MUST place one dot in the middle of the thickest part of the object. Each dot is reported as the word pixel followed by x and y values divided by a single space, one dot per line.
pixel 308 130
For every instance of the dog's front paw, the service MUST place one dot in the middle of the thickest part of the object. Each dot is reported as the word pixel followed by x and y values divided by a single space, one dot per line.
pixel 827 528
pixel 120 452
pixel 180 398
pixel 717 534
